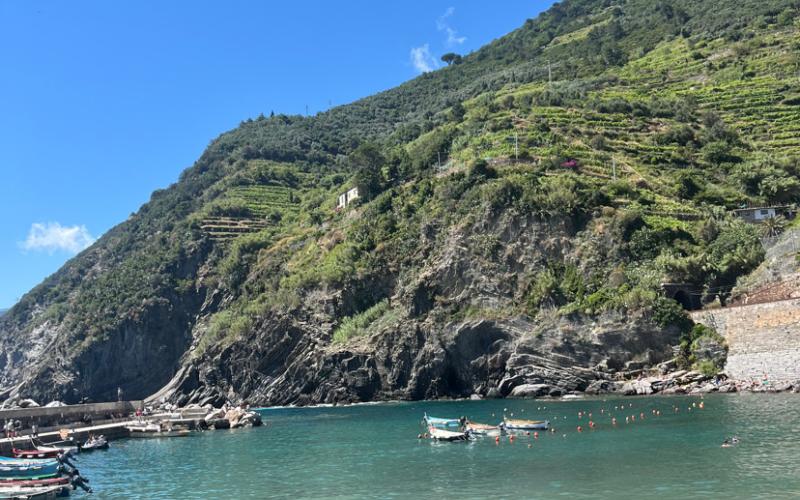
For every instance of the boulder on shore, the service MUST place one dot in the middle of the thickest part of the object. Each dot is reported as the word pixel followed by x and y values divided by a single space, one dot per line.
pixel 530 391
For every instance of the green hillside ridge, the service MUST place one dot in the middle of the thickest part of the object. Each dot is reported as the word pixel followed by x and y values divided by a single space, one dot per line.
pixel 660 119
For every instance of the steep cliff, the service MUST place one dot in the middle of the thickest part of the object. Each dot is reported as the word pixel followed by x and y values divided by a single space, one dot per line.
pixel 511 233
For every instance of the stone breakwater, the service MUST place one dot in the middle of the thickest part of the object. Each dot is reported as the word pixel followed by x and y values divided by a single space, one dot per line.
pixel 763 340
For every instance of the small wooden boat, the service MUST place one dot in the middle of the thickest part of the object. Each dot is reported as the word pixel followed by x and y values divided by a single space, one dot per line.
pixel 442 423
pixel 524 425
pixel 28 469
pixel 51 451
pixel 445 435
pixel 157 430
pixel 36 453
pixel 95 443
pixel 484 429
pixel 35 483
pixel 40 493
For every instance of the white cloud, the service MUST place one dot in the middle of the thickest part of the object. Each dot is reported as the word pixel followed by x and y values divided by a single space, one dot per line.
pixel 52 236
pixel 442 24
pixel 422 59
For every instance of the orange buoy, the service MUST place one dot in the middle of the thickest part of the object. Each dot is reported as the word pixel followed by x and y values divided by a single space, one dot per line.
pixel 535 435
pixel 497 439
pixel 591 424
pixel 580 429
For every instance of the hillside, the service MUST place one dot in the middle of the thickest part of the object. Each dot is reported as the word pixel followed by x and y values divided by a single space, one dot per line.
pixel 511 230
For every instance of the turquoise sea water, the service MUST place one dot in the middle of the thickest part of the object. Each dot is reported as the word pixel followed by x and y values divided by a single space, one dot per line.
pixel 372 451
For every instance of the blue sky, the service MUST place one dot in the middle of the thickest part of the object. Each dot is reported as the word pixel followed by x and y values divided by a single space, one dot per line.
pixel 103 102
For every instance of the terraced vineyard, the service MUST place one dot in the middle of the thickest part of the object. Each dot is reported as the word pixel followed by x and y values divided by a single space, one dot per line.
pixel 225 228
pixel 257 207
pixel 264 200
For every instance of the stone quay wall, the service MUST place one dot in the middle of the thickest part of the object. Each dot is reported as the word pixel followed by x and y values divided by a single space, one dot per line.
pixel 62 416
pixel 763 339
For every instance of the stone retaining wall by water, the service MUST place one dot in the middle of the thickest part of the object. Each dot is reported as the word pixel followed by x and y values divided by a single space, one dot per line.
pixel 762 339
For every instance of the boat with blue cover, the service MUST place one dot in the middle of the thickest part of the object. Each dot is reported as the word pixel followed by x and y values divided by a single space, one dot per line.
pixel 13 468
pixel 446 429
pixel 442 423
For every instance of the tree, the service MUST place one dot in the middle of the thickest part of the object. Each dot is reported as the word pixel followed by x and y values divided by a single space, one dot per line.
pixel 367 161
pixel 451 58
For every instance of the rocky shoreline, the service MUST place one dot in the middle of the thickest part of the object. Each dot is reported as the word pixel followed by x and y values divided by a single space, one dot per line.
pixel 676 382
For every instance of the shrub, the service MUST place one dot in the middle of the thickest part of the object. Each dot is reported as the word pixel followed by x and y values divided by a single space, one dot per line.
pixel 358 324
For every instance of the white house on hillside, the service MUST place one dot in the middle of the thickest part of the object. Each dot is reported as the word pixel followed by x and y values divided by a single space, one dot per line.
pixel 346 198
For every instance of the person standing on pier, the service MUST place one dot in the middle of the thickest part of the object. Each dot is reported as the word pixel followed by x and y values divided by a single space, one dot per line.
pixel 119 393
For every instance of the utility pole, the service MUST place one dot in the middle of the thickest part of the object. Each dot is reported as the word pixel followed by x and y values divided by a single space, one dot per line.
pixel 516 145
pixel 306 109
pixel 614 168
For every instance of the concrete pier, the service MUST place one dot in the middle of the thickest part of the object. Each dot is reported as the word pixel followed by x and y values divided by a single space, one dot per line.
pixel 58 417
pixel 115 430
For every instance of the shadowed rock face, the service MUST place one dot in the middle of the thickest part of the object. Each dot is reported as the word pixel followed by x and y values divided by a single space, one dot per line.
pixel 424 353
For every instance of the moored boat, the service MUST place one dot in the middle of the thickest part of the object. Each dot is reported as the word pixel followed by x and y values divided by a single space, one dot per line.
pixel 483 429
pixel 28 469
pixel 35 483
pixel 38 493
pixel 95 443
pixel 157 430
pixel 51 450
pixel 442 423
pixel 524 425
pixel 445 435
pixel 36 453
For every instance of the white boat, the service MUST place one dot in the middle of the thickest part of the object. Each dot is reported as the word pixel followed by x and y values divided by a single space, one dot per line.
pixel 156 430
pixel 32 493
pixel 443 435
pixel 95 443
pixel 511 424
pixel 483 429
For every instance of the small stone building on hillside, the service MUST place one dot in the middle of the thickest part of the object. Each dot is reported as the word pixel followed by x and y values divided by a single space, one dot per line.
pixel 346 198
pixel 756 215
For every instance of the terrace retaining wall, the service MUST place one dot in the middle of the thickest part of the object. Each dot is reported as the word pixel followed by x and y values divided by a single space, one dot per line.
pixel 763 339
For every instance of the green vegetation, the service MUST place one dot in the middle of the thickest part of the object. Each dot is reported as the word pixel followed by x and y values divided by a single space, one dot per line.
pixel 702 349
pixel 359 324
pixel 659 120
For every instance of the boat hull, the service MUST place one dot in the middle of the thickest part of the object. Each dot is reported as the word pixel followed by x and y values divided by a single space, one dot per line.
pixel 28 471
pixel 37 453
pixel 159 434
pixel 45 492
pixel 526 425
pixel 450 436
pixel 35 483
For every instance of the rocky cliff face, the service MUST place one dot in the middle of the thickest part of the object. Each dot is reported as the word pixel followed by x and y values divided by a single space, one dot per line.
pixel 423 353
